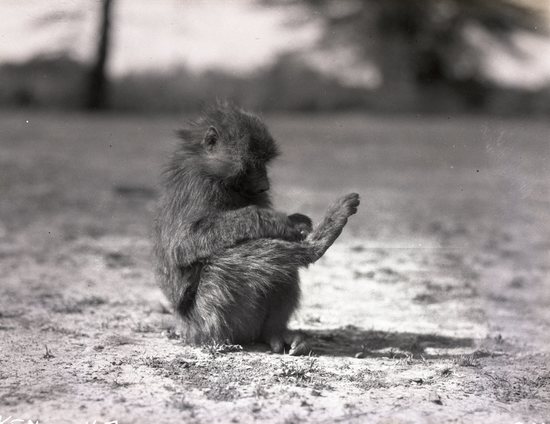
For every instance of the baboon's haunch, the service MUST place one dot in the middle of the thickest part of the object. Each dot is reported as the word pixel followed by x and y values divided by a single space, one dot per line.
pixel 227 260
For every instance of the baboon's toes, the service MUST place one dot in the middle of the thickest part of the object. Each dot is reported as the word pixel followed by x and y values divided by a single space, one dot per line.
pixel 300 349
pixel 344 207
pixel 350 202
pixel 298 345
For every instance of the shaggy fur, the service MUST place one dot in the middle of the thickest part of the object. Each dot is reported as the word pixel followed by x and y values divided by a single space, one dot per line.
pixel 227 261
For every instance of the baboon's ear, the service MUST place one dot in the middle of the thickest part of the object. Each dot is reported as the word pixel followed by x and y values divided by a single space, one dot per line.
pixel 210 138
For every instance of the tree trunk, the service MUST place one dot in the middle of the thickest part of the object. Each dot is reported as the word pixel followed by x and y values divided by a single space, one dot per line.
pixel 98 83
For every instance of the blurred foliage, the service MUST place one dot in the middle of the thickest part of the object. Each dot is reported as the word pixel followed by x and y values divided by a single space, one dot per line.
pixel 422 48
pixel 289 84
pixel 44 81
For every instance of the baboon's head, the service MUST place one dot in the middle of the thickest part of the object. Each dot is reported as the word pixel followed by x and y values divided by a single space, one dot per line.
pixel 233 146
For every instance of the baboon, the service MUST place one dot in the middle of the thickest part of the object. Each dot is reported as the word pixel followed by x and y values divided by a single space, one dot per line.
pixel 227 261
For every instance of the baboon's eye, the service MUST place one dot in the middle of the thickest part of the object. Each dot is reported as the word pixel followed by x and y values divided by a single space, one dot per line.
pixel 210 138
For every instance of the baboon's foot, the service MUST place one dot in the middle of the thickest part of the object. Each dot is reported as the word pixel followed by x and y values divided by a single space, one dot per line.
pixel 298 344
pixel 336 217
pixel 343 208
pixel 292 342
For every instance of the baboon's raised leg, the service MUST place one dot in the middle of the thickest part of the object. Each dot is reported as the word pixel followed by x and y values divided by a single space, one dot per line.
pixel 327 231
pixel 275 331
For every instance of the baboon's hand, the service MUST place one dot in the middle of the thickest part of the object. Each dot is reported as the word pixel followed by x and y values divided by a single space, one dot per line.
pixel 278 225
pixel 302 223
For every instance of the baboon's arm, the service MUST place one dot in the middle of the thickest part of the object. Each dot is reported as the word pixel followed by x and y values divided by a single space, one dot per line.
pixel 214 232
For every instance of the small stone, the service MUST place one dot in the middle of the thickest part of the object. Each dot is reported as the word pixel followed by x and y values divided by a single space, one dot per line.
pixel 360 355
pixel 435 398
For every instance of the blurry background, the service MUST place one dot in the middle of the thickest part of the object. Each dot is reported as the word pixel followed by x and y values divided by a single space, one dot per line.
pixel 172 55
pixel 435 111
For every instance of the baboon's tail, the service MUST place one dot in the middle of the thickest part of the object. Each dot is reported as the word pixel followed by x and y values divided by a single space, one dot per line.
pixel 334 221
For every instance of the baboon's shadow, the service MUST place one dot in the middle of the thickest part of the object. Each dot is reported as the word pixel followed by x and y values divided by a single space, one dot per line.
pixel 351 340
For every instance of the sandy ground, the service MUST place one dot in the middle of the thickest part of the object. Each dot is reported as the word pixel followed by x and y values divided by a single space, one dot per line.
pixel 432 307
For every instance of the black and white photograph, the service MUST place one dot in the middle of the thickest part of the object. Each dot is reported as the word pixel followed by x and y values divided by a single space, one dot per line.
pixel 275 211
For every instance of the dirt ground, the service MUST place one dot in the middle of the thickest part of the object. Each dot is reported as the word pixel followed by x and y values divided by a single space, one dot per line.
pixel 432 307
